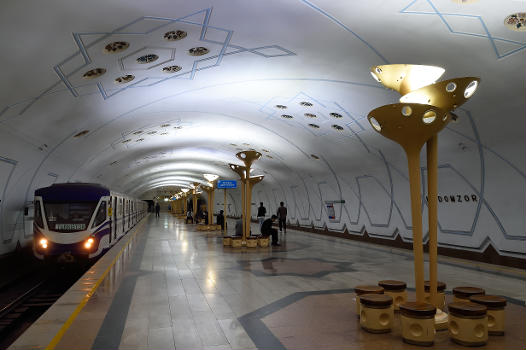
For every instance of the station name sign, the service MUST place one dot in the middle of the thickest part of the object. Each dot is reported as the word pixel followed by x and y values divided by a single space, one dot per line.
pixel 226 184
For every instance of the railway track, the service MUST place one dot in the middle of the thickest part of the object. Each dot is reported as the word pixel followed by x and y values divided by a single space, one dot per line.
pixel 33 301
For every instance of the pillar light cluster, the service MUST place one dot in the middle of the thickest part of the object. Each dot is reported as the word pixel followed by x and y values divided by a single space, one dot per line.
pixel 424 110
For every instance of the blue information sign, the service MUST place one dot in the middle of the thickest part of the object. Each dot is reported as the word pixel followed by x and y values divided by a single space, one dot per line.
pixel 226 184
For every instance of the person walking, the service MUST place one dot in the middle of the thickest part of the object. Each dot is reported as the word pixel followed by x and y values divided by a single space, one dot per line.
pixel 282 217
pixel 221 220
pixel 261 214
pixel 157 209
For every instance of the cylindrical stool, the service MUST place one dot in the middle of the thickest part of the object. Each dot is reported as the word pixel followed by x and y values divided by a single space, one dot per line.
pixel 227 241
pixel 495 305
pixel 237 242
pixel 263 241
pixel 252 242
pixel 366 289
pixel 418 323
pixel 395 289
pixel 441 287
pixel 468 323
pixel 377 313
pixel 462 294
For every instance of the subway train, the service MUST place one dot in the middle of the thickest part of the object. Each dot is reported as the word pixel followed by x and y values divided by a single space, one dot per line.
pixel 78 221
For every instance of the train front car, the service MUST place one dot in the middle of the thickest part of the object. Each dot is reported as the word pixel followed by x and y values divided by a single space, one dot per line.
pixel 71 222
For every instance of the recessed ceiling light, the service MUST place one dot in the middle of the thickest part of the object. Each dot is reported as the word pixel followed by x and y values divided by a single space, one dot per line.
pixel 175 35
pixel 124 79
pixel 116 46
pixel 138 132
pixel 147 58
pixel 269 156
pixel 286 116
pixel 314 126
pixel 198 51
pixel 164 133
pixel 94 73
pixel 265 150
pixel 314 156
pixel 172 69
pixel 337 127
pixel 178 127
pixel 82 133
pixel 152 132
pixel 281 106
pixel 336 115
pixel 516 21
pixel 126 141
pixel 165 125
pixel 139 140
pixel 310 115
pixel 306 104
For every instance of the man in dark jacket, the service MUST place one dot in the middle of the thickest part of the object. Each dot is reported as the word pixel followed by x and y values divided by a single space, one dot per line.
pixel 267 230
pixel 157 209
pixel 262 211
pixel 221 220
pixel 282 217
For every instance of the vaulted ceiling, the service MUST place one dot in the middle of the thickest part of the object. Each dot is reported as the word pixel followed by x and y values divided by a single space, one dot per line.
pixel 145 94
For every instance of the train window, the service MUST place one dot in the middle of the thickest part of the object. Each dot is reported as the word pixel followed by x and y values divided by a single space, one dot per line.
pixel 69 216
pixel 101 215
pixel 38 215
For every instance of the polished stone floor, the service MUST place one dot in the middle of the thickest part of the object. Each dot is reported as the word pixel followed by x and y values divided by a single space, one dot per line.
pixel 176 287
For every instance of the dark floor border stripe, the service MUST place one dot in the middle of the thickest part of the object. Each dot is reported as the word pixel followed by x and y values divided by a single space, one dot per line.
pixel 263 337
pixel 110 333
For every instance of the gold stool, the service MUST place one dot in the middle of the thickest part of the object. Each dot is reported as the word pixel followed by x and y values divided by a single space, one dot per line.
pixel 377 313
pixel 366 289
pixel 396 289
pixel 462 294
pixel 227 241
pixel 237 242
pixel 495 305
pixel 468 323
pixel 418 323
pixel 263 241
pixel 252 242
pixel 441 287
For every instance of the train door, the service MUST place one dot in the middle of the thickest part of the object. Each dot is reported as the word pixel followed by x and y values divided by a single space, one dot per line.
pixel 122 214
pixel 114 217
pixel 111 222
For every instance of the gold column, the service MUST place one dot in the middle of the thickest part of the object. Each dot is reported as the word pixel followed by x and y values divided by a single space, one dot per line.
pixel 432 204
pixel 248 157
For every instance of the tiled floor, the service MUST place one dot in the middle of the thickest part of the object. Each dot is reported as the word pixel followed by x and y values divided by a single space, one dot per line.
pixel 179 288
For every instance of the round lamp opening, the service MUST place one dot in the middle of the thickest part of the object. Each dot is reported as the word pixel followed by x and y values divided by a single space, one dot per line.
pixel 470 89
pixel 375 124
pixel 429 117
pixel 406 111
pixel 450 87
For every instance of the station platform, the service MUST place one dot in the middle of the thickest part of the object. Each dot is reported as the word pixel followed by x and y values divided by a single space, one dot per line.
pixel 166 285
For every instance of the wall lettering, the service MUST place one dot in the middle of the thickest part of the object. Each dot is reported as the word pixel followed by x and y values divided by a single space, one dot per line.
pixel 456 198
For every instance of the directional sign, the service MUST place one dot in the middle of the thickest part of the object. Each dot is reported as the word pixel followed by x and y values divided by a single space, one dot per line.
pixel 226 184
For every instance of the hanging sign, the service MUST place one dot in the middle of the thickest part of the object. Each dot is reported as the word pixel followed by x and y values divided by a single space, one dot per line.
pixel 226 184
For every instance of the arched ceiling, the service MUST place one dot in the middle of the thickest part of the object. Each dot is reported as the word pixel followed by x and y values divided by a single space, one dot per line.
pixel 305 59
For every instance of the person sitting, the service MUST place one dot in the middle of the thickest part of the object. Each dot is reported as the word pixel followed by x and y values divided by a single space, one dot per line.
pixel 221 220
pixel 267 230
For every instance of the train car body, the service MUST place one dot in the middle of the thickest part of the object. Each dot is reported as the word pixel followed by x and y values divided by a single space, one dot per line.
pixel 80 220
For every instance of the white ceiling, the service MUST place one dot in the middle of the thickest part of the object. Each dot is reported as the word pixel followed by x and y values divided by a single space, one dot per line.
pixel 262 54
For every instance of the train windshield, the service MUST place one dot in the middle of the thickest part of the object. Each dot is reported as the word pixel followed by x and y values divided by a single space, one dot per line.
pixel 69 216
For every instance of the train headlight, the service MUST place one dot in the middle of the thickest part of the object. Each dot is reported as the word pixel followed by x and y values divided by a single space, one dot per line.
pixel 89 243
pixel 43 243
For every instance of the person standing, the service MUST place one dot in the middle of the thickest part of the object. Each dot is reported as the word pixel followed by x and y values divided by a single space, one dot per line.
pixel 221 220
pixel 157 209
pixel 267 230
pixel 261 214
pixel 282 217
